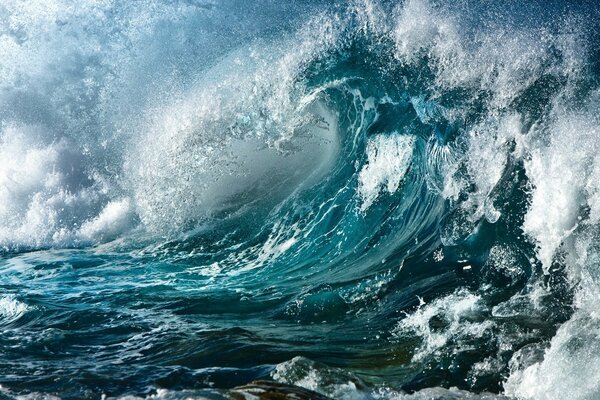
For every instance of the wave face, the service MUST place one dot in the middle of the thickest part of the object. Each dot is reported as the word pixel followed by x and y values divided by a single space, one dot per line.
pixel 365 199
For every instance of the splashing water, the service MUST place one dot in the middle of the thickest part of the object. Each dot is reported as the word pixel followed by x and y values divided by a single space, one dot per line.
pixel 359 200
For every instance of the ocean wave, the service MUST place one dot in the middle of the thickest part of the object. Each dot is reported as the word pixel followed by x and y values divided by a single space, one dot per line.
pixel 406 191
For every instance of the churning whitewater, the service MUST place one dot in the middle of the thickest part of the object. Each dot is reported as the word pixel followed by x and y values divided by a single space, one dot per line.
pixel 311 199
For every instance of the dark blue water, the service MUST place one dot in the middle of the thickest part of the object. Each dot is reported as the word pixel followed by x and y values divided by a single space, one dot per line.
pixel 358 200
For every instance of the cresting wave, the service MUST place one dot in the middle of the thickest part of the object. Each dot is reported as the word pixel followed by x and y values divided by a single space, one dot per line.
pixel 365 199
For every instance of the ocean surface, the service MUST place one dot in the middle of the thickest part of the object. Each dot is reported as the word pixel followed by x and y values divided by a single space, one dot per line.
pixel 362 199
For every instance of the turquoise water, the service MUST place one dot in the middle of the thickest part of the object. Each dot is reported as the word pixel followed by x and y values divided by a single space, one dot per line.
pixel 364 199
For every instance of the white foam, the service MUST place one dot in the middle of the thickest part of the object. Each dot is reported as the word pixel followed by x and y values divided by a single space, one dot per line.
pixel 564 174
pixel 11 308
pixel 487 159
pixel 115 219
pixel 421 30
pixel 46 198
pixel 568 369
pixel 452 393
pixel 564 169
pixel 59 154
pixel 454 309
pixel 388 160
pixel 37 197
pixel 72 92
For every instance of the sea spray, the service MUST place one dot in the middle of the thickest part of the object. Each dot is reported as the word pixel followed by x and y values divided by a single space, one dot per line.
pixel 370 199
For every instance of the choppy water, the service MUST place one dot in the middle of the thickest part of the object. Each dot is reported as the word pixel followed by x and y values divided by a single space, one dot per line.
pixel 365 199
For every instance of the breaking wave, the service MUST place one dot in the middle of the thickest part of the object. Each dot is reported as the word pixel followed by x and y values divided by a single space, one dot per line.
pixel 364 199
